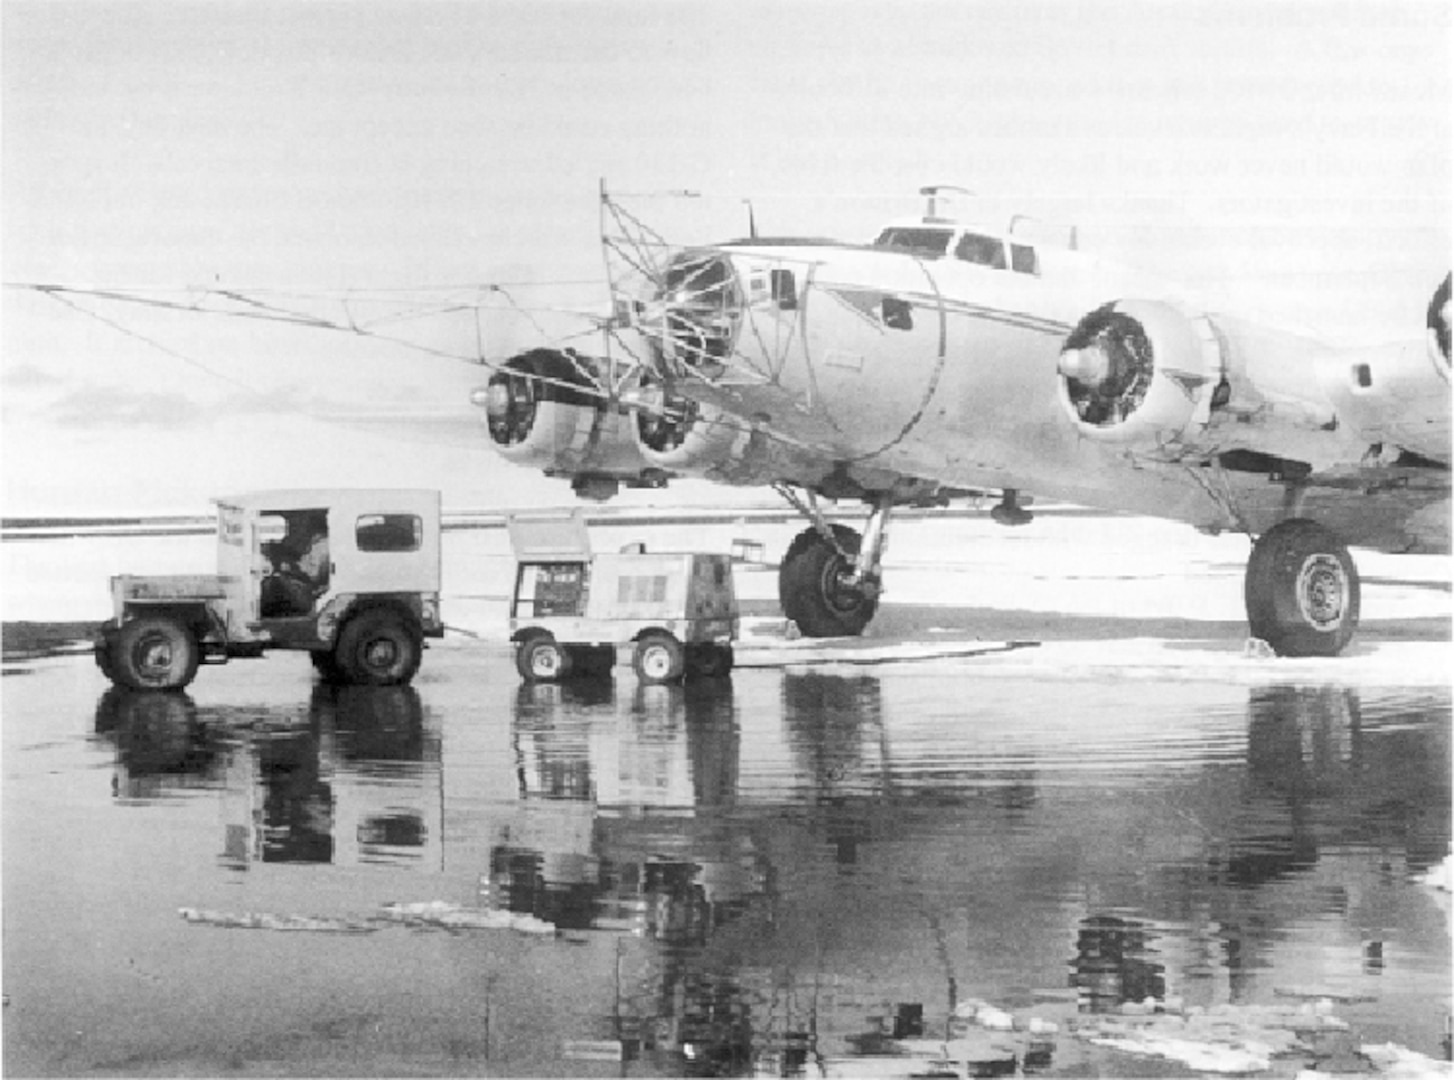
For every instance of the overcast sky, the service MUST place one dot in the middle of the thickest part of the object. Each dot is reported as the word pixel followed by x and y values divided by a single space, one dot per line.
pixel 1289 159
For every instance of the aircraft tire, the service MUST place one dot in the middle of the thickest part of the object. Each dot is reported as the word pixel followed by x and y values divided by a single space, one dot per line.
pixel 540 658
pixel 154 652
pixel 811 589
pixel 659 658
pixel 1302 590
pixel 378 648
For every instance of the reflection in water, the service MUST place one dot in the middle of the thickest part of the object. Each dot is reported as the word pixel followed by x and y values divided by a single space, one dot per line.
pixel 353 779
pixel 749 936
pixel 1112 965
pixel 294 820
pixel 821 871
pixel 606 831
pixel 161 744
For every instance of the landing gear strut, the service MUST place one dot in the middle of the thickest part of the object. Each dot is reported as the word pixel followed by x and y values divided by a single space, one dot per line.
pixel 829 581
pixel 1302 590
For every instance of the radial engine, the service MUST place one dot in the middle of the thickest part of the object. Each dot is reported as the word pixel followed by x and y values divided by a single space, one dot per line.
pixel 546 409
pixel 1141 373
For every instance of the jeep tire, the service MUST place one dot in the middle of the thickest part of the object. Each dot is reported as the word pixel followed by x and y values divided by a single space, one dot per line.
pixel 379 648
pixel 154 652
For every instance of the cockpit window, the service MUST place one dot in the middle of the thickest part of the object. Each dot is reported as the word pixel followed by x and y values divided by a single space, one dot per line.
pixel 920 241
pixel 1023 260
pixel 983 250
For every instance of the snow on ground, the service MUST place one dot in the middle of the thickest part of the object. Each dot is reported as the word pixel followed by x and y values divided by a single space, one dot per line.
pixel 1398 663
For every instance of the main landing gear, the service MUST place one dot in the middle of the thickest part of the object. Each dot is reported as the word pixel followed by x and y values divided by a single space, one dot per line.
pixel 1301 590
pixel 829 580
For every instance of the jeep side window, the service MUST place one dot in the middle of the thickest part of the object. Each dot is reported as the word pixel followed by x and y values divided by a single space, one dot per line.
pixel 389 532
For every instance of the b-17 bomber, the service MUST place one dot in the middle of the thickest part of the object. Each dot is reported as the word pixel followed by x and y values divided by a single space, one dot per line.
pixel 951 357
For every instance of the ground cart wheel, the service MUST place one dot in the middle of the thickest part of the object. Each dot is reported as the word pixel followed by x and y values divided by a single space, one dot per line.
pixel 378 648
pixel 659 658
pixel 708 661
pixel 154 652
pixel 541 659
pixel 1302 590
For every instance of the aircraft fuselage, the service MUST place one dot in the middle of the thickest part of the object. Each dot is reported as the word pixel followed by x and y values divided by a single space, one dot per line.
pixel 891 364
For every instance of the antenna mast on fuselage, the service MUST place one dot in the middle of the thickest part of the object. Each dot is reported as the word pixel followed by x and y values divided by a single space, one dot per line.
pixel 933 192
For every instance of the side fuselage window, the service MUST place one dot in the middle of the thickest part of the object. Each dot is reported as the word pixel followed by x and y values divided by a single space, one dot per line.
pixel 919 241
pixel 981 250
pixel 1023 260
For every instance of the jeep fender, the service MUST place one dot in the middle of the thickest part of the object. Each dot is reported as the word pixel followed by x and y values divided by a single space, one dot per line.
pixel 344 607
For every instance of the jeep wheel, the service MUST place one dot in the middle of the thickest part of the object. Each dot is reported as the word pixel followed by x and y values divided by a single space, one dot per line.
pixel 326 664
pixel 154 652
pixel 541 659
pixel 378 648
pixel 101 649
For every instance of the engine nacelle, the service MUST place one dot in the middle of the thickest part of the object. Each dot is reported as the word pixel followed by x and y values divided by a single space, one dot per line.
pixel 1140 373
pixel 545 409
pixel 678 435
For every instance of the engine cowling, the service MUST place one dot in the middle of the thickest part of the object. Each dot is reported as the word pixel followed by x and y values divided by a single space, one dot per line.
pixel 1441 310
pixel 684 437
pixel 544 409
pixel 1140 373
pixel 678 435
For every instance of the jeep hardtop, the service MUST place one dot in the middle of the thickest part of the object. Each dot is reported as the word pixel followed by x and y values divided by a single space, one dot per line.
pixel 350 575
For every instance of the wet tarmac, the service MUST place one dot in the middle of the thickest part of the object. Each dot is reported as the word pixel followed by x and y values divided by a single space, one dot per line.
pixel 803 870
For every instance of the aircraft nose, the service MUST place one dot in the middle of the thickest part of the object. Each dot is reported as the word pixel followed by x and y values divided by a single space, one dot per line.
pixel 1089 366
pixel 701 305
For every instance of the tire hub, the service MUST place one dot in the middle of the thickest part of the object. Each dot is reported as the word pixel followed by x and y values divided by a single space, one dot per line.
pixel 154 654
pixel 381 654
pixel 545 663
pixel 1322 592
pixel 656 662
pixel 838 592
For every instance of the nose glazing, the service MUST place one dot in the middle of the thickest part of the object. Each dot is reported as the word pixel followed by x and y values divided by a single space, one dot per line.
pixel 701 305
